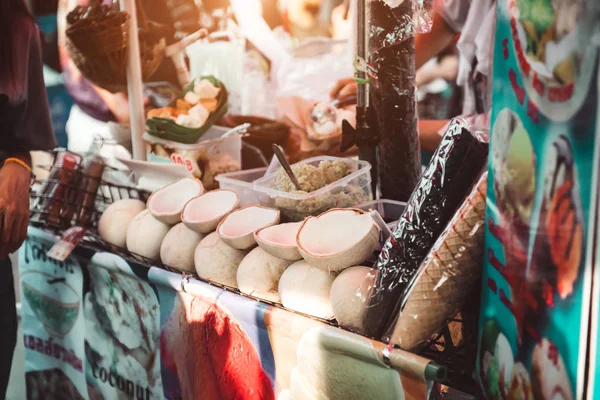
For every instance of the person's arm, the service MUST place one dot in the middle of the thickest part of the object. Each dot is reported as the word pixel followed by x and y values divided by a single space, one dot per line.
pixel 118 104
pixel 34 132
pixel 344 87
pixel 428 45
pixel 429 135
pixel 14 203
pixel 446 69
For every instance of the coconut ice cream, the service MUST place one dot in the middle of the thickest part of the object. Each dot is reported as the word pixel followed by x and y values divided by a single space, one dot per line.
pixel 520 173
pixel 513 162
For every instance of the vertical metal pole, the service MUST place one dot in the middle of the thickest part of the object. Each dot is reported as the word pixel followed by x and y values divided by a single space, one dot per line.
pixel 362 51
pixel 134 83
pixel 365 140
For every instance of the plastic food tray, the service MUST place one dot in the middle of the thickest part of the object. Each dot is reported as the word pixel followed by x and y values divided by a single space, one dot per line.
pixel 242 182
pixel 349 191
pixel 390 210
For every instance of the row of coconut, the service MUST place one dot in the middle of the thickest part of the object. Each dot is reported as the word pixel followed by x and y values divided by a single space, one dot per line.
pixel 312 267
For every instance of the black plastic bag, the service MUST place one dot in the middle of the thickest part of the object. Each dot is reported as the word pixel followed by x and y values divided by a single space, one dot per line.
pixel 446 182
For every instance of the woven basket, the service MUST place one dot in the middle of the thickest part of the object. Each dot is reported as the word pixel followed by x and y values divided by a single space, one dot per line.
pixel 97 39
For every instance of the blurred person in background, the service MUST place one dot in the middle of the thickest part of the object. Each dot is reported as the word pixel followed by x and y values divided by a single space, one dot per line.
pixel 308 18
pixel 438 94
pixel 25 126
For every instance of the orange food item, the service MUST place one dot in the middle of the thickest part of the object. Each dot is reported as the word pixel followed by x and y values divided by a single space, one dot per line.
pixel 209 104
pixel 182 105
pixel 166 112
pixel 565 234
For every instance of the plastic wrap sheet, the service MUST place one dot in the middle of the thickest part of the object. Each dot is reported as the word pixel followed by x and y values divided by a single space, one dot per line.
pixel 444 185
pixel 447 277
pixel 403 20
pixel 392 113
pixel 311 71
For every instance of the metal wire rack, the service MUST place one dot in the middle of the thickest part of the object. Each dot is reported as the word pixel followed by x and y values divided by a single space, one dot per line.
pixel 59 204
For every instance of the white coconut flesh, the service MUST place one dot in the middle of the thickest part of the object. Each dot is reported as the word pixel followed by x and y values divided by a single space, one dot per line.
pixel 167 203
pixel 307 289
pixel 259 273
pixel 237 229
pixel 338 239
pixel 115 220
pixel 280 240
pixel 204 213
pixel 145 235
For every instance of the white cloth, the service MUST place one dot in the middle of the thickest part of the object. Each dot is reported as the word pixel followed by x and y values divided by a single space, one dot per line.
pixel 81 130
pixel 476 22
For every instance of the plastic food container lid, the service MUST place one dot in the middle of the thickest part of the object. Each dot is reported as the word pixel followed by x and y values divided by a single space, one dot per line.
pixel 363 169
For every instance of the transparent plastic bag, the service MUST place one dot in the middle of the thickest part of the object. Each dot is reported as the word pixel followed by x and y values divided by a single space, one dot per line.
pixel 223 60
pixel 313 68
pixel 444 185
pixel 398 25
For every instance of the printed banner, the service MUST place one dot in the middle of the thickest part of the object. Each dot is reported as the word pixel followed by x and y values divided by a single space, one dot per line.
pixel 542 198
pixel 126 332
pixel 91 326
pixel 52 322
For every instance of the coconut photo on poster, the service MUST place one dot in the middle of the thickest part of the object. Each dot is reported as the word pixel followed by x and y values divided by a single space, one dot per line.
pixel 539 241
pixel 122 335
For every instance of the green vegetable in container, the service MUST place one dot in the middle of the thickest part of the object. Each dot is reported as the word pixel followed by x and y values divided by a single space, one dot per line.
pixel 182 127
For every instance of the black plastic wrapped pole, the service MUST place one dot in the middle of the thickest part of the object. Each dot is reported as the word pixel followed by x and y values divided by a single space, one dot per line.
pixel 366 139
pixel 393 117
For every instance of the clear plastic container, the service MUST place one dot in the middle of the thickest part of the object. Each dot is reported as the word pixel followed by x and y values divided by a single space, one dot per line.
pixel 209 157
pixel 242 182
pixel 390 210
pixel 349 191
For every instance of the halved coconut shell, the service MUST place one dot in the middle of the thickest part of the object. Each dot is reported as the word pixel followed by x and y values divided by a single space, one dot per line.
pixel 237 229
pixel 280 240
pixel 204 213
pixel 338 239
pixel 167 203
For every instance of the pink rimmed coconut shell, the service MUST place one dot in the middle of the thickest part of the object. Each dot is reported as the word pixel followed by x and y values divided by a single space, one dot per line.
pixel 280 240
pixel 338 239
pixel 237 229
pixel 167 203
pixel 204 213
